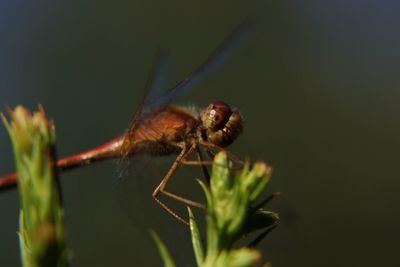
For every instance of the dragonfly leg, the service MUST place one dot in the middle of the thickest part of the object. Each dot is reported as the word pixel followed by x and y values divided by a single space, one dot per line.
pixel 231 156
pixel 184 200
pixel 196 162
pixel 203 167
pixel 170 211
pixel 164 181
pixel 211 154
pixel 161 188
pixel 201 163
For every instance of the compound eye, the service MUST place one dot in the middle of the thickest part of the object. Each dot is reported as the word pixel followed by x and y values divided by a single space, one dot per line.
pixel 216 115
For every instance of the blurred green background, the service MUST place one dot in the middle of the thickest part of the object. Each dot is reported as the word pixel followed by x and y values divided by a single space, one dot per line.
pixel 318 83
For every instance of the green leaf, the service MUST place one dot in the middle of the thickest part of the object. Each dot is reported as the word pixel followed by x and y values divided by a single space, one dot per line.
pixel 41 231
pixel 261 173
pixel 196 239
pixel 258 220
pixel 166 257
pixel 243 257
pixel 221 181
pixel 212 231
pixel 230 215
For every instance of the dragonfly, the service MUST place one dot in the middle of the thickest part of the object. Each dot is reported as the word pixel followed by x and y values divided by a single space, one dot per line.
pixel 159 128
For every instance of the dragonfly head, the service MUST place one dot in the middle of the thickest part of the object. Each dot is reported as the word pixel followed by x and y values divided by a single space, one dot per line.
pixel 221 125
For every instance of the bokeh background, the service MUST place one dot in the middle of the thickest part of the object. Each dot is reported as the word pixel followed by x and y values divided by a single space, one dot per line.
pixel 318 83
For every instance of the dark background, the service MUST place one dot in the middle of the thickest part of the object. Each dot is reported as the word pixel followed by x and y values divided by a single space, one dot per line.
pixel 317 82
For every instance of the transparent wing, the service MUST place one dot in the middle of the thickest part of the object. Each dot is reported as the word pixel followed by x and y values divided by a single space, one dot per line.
pixel 216 58
pixel 156 80
pixel 135 187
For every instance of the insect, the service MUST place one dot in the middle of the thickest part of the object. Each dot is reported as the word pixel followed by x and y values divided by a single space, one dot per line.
pixel 159 128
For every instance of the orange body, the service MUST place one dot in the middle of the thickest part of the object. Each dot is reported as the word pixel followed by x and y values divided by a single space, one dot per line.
pixel 157 134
